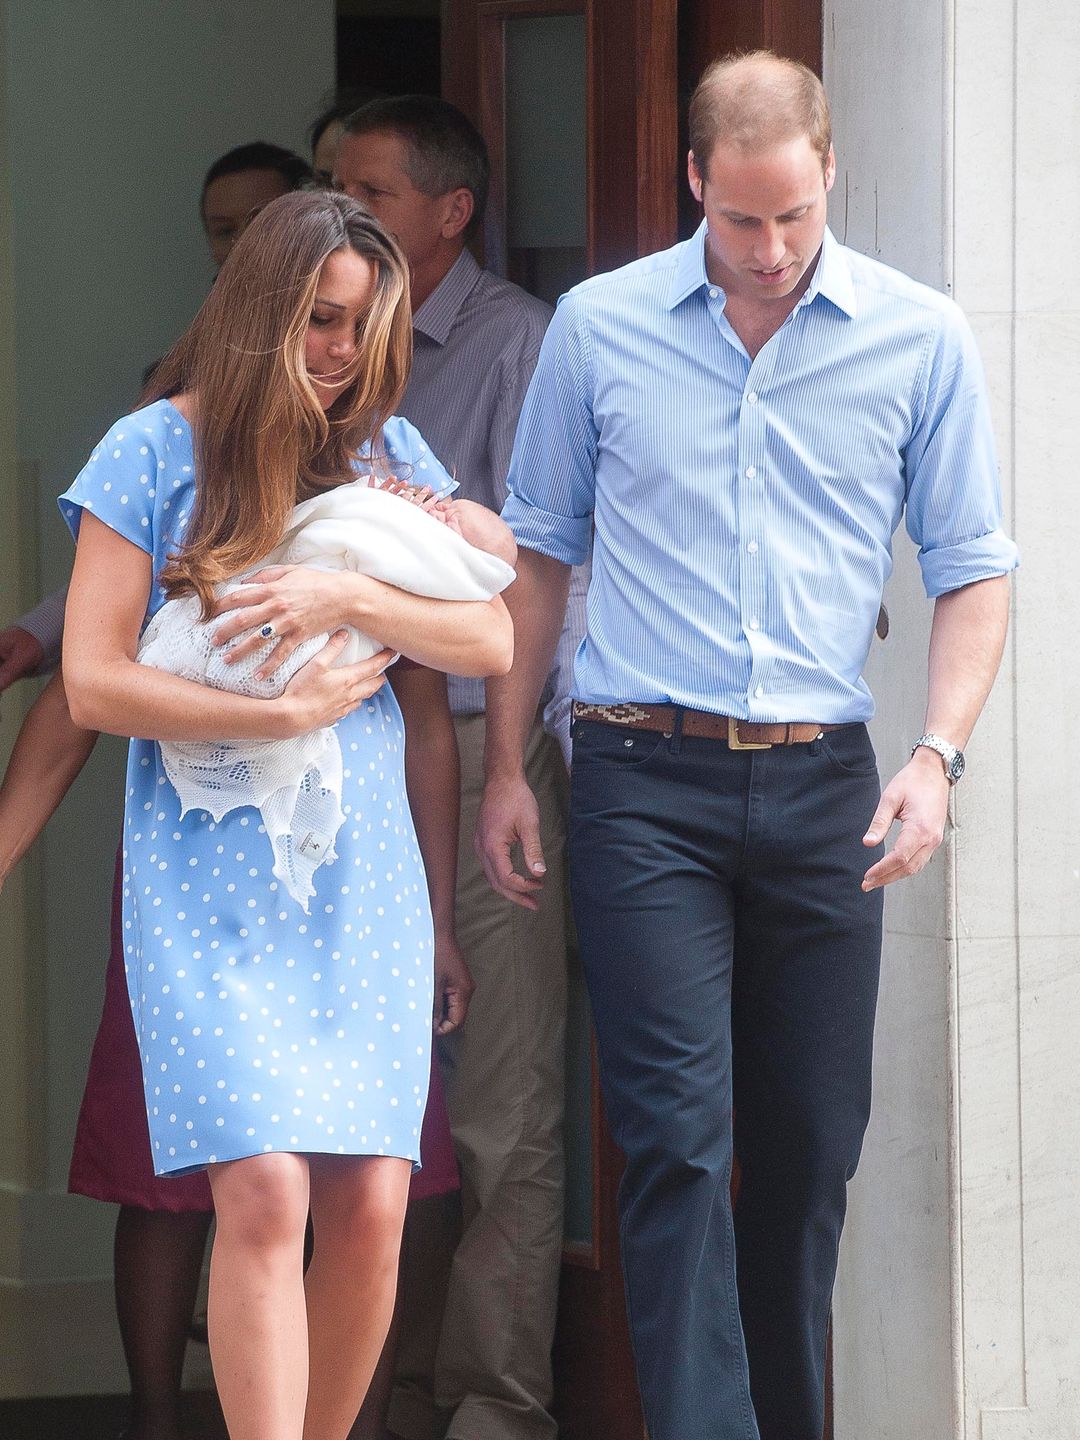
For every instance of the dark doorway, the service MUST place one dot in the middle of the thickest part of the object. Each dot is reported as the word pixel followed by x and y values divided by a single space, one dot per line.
pixel 388 47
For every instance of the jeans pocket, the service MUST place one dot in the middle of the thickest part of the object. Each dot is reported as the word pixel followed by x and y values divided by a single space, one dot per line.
pixel 605 745
pixel 849 751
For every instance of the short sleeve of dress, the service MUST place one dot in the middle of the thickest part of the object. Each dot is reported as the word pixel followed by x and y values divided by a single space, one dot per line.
pixel 410 457
pixel 117 484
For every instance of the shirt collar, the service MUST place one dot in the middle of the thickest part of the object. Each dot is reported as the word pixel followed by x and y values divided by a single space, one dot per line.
pixel 831 278
pixel 435 317
pixel 690 270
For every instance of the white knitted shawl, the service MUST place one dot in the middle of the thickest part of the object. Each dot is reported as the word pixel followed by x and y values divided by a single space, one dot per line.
pixel 296 783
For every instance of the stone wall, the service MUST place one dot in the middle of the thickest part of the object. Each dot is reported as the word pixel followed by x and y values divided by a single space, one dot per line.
pixel 956 131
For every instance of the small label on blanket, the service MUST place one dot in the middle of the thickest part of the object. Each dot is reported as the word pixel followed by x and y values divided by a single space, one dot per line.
pixel 314 843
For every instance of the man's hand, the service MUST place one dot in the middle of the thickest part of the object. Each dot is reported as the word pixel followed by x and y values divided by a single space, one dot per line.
pixel 919 798
pixel 508 814
pixel 453 985
pixel 20 655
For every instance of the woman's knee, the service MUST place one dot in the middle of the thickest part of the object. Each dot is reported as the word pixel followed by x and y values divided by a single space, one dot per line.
pixel 261 1201
pixel 360 1201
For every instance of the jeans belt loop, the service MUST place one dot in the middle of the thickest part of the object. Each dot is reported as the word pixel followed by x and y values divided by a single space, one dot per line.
pixel 676 731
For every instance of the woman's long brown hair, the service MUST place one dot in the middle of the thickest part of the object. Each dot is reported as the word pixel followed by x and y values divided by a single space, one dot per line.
pixel 261 436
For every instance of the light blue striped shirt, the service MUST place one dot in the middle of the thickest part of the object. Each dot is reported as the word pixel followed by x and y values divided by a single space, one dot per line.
pixel 744 509
pixel 475 342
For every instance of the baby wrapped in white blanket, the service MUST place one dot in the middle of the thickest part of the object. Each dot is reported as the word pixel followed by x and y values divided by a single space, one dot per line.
pixel 296 783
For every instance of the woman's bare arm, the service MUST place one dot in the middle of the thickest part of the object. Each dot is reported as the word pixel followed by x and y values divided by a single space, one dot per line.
pixel 48 754
pixel 107 690
pixel 460 637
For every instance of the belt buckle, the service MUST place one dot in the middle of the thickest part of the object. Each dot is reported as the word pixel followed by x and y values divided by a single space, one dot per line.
pixel 734 743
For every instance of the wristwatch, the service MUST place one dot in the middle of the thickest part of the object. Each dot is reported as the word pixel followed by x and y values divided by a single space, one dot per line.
pixel 951 757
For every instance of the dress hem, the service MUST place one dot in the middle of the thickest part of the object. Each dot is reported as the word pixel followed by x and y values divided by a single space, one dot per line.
pixel 136 1198
pixel 250 1153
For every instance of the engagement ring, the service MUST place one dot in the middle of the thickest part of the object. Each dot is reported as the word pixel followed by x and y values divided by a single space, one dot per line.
pixel 268 632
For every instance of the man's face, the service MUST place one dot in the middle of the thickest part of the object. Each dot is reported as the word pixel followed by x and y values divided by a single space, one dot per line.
pixel 371 168
pixel 766 216
pixel 232 200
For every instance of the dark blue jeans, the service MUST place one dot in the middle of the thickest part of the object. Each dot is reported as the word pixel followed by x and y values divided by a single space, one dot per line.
pixel 732 962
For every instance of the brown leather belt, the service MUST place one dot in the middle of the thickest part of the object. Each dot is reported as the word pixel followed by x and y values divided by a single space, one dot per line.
pixel 739 734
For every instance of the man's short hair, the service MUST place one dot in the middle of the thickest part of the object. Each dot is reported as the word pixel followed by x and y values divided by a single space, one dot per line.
pixel 444 150
pixel 344 104
pixel 260 155
pixel 754 102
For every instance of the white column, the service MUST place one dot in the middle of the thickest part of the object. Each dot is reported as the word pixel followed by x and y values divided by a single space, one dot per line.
pixel 1017 199
pixel 956 126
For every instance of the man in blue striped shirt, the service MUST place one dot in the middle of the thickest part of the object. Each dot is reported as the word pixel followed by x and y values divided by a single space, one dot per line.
pixel 743 420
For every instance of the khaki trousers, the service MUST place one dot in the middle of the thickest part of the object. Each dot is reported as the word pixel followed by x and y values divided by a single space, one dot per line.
pixel 481 1369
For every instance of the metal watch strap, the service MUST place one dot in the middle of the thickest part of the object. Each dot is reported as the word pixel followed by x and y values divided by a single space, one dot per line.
pixel 952 758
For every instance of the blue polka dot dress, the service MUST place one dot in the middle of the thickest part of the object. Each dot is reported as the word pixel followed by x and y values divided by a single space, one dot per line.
pixel 261 1028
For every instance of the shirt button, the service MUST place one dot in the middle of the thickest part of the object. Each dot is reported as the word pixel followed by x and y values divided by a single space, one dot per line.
pixel 753 547
pixel 751 399
pixel 714 294
pixel 759 692
pixel 754 623
pixel 751 471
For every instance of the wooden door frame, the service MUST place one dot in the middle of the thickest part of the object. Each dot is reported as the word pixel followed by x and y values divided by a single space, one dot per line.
pixel 790 27
pixel 625 217
pixel 491 61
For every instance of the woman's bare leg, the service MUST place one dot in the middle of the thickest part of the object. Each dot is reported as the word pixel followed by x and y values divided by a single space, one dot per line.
pixel 157 1260
pixel 370 1424
pixel 358 1208
pixel 432 1230
pixel 257 1317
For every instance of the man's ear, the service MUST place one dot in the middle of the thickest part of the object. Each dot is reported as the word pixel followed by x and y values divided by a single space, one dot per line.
pixel 693 177
pixel 458 211
pixel 830 169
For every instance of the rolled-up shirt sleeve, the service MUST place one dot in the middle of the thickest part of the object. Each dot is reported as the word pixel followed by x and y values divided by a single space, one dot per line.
pixel 952 490
pixel 46 623
pixel 552 480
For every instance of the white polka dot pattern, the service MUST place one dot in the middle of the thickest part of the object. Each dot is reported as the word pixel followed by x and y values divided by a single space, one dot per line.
pixel 262 1028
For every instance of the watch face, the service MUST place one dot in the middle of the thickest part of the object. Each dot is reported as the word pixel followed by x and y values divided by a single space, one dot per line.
pixel 956 765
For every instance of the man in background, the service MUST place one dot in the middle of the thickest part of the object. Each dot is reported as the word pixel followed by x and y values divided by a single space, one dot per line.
pixel 482 1359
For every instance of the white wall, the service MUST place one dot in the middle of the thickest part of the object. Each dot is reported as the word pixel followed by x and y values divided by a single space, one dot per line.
pixel 961 1263
pixel 890 201
pixel 112 113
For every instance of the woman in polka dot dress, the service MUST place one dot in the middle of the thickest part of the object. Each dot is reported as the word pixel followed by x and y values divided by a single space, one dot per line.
pixel 287 1053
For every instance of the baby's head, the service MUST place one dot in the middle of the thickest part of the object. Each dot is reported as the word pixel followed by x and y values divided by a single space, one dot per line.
pixel 481 527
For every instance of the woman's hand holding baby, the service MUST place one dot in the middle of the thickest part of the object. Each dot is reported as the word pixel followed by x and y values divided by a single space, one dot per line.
pixel 320 694
pixel 296 601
